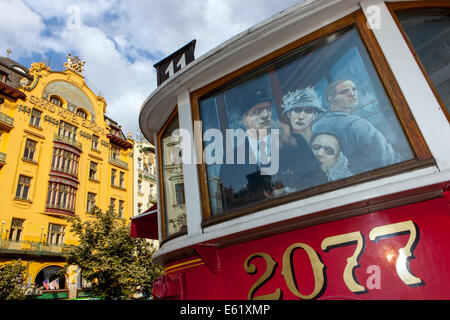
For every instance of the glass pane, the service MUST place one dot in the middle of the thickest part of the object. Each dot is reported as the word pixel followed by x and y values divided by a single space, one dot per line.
pixel 174 208
pixel 316 115
pixel 429 32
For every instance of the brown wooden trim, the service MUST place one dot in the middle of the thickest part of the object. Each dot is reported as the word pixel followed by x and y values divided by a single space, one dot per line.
pixel 329 29
pixel 330 186
pixel 414 5
pixel 161 181
pixel 201 168
pixel 423 155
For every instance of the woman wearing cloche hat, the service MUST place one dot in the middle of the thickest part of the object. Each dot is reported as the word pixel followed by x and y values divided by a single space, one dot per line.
pixel 302 106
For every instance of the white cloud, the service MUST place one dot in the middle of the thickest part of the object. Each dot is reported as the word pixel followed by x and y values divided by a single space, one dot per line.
pixel 121 40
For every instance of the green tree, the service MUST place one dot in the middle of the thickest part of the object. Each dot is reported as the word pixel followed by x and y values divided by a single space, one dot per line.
pixel 117 265
pixel 12 281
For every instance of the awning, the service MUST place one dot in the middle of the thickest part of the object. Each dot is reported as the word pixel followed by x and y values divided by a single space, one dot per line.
pixel 145 225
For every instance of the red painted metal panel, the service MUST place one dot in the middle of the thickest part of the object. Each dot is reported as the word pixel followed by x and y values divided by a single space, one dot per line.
pixel 423 226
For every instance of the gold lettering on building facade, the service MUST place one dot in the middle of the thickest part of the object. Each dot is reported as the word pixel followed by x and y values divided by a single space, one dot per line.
pixel 64 114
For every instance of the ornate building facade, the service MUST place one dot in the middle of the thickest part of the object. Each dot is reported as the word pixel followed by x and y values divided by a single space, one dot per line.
pixel 59 156
pixel 144 176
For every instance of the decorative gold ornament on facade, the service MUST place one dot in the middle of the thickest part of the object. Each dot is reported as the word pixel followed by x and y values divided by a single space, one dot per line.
pixel 74 63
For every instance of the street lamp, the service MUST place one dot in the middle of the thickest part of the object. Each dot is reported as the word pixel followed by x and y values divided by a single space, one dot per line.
pixel 42 231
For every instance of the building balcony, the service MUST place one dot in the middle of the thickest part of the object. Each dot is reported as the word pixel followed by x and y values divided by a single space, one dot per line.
pixel 2 159
pixel 118 162
pixel 66 140
pixel 6 122
pixel 30 248
pixel 147 176
pixel 61 209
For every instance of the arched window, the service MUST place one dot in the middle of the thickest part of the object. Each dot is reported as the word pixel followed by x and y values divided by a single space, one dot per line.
pixel 51 278
pixel 81 113
pixel 56 101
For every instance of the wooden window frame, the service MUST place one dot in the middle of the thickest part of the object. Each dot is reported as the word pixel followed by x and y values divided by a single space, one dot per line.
pixel 90 201
pixel 412 6
pixel 30 150
pixel 23 184
pixel 35 116
pixel 423 157
pixel 183 231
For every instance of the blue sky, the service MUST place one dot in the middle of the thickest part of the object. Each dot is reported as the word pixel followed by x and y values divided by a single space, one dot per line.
pixel 122 40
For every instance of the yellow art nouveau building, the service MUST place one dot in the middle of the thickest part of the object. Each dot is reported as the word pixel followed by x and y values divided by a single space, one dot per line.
pixel 59 156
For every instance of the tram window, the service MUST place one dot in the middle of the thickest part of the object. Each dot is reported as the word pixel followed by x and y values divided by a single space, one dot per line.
pixel 174 209
pixel 332 114
pixel 428 30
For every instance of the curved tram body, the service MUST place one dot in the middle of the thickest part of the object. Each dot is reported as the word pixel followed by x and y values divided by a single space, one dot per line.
pixel 348 195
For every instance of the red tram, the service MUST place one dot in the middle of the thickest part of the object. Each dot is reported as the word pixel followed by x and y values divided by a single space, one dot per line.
pixel 308 158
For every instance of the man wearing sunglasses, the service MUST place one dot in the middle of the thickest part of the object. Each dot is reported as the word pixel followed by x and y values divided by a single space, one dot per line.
pixel 327 150
pixel 365 147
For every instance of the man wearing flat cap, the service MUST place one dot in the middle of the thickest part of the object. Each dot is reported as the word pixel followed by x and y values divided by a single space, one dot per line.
pixel 247 182
pixel 364 145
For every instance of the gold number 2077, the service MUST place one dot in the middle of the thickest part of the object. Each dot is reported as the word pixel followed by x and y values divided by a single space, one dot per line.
pixel 376 234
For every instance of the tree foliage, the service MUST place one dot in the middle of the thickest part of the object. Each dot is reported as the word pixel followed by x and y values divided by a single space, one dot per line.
pixel 117 265
pixel 12 281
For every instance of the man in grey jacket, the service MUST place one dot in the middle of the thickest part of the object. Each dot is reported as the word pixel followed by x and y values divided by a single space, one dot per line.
pixel 365 147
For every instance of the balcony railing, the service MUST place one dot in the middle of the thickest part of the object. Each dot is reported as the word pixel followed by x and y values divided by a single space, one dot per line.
pixel 66 140
pixel 118 162
pixel 5 119
pixel 30 247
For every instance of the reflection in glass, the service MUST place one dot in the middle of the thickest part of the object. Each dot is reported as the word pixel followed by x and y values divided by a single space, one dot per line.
pixel 173 182
pixel 429 32
pixel 332 114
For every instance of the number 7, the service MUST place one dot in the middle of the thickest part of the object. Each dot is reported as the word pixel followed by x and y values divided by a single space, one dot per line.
pixel 353 261
pixel 405 253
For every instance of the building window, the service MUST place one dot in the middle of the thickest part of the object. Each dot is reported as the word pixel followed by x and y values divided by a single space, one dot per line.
pixel 35 118
pixel 23 187
pixel 16 229
pixel 93 170
pixel 56 101
pixel 65 161
pixel 113 177
pixel 94 145
pixel 56 234
pixel 3 76
pixel 67 130
pixel 61 196
pixel 30 150
pixel 139 208
pixel 115 153
pixel 173 209
pixel 121 205
pixel 121 179
pixel 90 201
pixel 427 31
pixel 81 114
pixel 179 193
pixel 139 163
pixel 139 186
pixel 112 204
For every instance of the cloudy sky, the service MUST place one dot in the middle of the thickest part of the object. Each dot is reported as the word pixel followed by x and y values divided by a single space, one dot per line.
pixel 122 40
